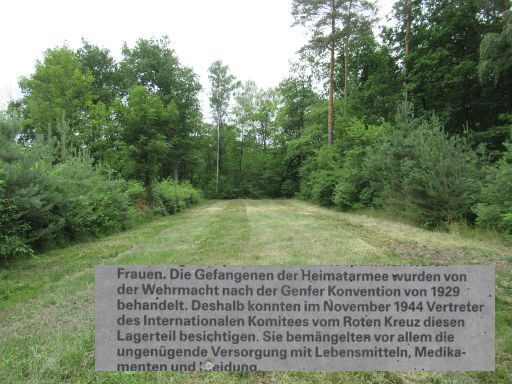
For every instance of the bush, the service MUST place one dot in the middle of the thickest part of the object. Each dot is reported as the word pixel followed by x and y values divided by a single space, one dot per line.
pixel 91 203
pixel 135 191
pixel 49 196
pixel 423 173
pixel 171 197
pixel 297 151
pixel 28 186
pixel 45 204
pixel 353 189
pixel 68 201
pixel 137 195
pixel 494 211
pixel 12 230
pixel 322 187
pixel 318 176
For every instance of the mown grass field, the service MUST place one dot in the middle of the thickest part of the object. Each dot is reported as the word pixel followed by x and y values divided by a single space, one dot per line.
pixel 47 308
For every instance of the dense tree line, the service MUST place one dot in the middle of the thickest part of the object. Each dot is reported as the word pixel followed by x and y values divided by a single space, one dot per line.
pixel 429 113
pixel 95 145
pixel 416 120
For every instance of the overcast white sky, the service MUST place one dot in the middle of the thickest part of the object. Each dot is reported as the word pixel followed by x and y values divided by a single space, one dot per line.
pixel 254 37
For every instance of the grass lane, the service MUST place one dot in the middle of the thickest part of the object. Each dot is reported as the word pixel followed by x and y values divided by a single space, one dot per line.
pixel 47 309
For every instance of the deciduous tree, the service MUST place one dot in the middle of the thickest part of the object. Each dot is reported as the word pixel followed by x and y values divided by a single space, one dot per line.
pixel 222 86
pixel 59 86
pixel 147 121
pixel 153 64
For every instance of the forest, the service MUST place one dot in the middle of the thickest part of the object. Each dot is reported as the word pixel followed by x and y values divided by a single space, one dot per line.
pixel 413 119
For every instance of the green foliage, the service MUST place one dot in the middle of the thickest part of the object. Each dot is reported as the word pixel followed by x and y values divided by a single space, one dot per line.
pixel 152 64
pixel 147 126
pixel 28 185
pixel 319 16
pixel 335 175
pixel 422 172
pixel 496 55
pixel 297 151
pixel 297 95
pixel 90 203
pixel 46 204
pixel 222 84
pixel 98 136
pixel 13 231
pixel 101 65
pixel 376 82
pixel 263 174
pixel 171 197
pixel 251 157
pixel 322 185
pixel 59 86
pixel 450 43
pixel 135 191
pixel 353 189
pixel 495 72
pixel 318 174
pixel 494 209
pixel 300 157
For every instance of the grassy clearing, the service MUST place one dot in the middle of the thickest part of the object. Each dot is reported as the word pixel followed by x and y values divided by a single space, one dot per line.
pixel 47 309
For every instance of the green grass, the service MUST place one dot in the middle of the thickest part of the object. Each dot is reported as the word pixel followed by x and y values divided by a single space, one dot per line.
pixel 47 308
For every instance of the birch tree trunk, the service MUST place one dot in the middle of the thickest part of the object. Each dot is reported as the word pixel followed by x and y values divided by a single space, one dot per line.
pixel 218 159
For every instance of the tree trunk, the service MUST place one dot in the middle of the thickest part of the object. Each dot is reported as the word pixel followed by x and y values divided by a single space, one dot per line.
pixel 264 127
pixel 148 185
pixel 345 86
pixel 330 116
pixel 242 143
pixel 218 159
pixel 175 173
pixel 407 48
pixel 346 58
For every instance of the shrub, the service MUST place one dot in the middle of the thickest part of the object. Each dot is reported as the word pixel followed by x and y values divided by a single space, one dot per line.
pixel 137 195
pixel 423 173
pixel 172 197
pixel 12 230
pixel 28 186
pixel 322 187
pixel 135 191
pixel 353 189
pixel 494 209
pixel 91 203
pixel 49 196
pixel 318 176
pixel 55 203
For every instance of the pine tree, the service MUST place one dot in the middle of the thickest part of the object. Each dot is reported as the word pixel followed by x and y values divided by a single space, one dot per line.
pixel 331 21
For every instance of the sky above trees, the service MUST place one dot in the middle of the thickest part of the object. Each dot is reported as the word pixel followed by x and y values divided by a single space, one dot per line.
pixel 254 38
